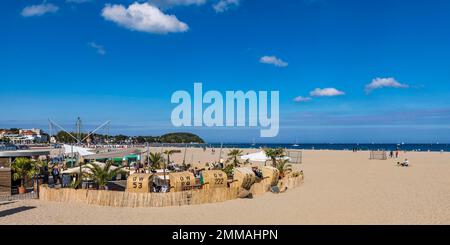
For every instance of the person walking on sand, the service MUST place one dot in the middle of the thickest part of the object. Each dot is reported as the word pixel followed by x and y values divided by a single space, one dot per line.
pixel 396 154
pixel 55 173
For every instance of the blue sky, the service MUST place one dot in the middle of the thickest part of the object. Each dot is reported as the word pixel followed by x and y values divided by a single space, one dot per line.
pixel 380 69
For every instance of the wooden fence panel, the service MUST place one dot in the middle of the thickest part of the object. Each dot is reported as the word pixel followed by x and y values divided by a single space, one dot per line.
pixel 5 181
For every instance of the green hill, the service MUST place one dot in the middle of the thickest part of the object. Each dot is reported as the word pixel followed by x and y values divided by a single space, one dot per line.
pixel 181 138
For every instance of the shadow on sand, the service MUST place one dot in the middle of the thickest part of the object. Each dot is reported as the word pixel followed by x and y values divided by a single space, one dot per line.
pixel 7 202
pixel 15 210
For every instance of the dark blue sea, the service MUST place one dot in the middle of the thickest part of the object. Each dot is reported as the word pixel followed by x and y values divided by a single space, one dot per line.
pixel 387 147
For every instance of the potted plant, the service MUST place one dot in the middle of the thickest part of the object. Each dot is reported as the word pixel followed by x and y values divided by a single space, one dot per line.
pixel 22 168
pixel 284 167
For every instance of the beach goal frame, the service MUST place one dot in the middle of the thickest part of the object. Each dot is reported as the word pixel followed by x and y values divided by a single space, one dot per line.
pixel 295 156
pixel 378 155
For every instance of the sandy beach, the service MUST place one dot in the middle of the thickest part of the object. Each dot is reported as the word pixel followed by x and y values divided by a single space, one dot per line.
pixel 340 187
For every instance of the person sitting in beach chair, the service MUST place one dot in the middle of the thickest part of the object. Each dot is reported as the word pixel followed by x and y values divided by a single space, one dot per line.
pixel 257 172
pixel 404 163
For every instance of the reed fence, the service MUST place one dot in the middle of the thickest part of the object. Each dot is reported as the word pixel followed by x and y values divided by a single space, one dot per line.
pixel 131 199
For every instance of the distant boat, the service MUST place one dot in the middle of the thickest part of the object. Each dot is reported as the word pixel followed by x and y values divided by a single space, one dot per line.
pixel 295 145
pixel 253 144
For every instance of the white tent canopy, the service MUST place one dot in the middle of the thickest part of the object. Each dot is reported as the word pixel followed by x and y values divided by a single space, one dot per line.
pixel 258 157
pixel 68 149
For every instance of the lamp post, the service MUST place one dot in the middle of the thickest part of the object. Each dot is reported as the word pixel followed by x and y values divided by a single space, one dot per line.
pixel 148 154
pixel 220 152
pixel 80 176
pixel 184 156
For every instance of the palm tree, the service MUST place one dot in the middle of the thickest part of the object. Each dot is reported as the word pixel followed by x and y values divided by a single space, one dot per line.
pixel 168 153
pixel 40 167
pixel 274 154
pixel 284 167
pixel 102 174
pixel 23 167
pixel 228 170
pixel 41 164
pixel 234 155
pixel 156 159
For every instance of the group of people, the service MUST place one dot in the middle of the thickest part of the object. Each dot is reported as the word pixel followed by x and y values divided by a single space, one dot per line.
pixel 59 178
pixel 391 154
pixel 405 163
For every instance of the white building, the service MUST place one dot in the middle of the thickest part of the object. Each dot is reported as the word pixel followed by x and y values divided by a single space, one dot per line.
pixel 25 136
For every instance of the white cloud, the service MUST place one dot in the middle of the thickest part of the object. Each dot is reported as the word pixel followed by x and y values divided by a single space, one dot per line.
pixel 100 49
pixel 39 9
pixel 378 83
pixel 143 17
pixel 273 60
pixel 302 99
pixel 224 5
pixel 326 92
pixel 174 3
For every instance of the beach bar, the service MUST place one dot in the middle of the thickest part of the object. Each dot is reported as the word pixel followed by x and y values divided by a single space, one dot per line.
pixel 6 158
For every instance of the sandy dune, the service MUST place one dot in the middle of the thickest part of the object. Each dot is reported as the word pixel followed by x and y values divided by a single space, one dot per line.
pixel 340 188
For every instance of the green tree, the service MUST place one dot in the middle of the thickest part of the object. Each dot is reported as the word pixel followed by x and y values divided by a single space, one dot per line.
pixel 228 170
pixel 140 139
pixel 233 156
pixel 284 167
pixel 155 159
pixel 120 138
pixel 23 167
pixel 64 137
pixel 102 174
pixel 180 138
pixel 168 153
pixel 274 154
